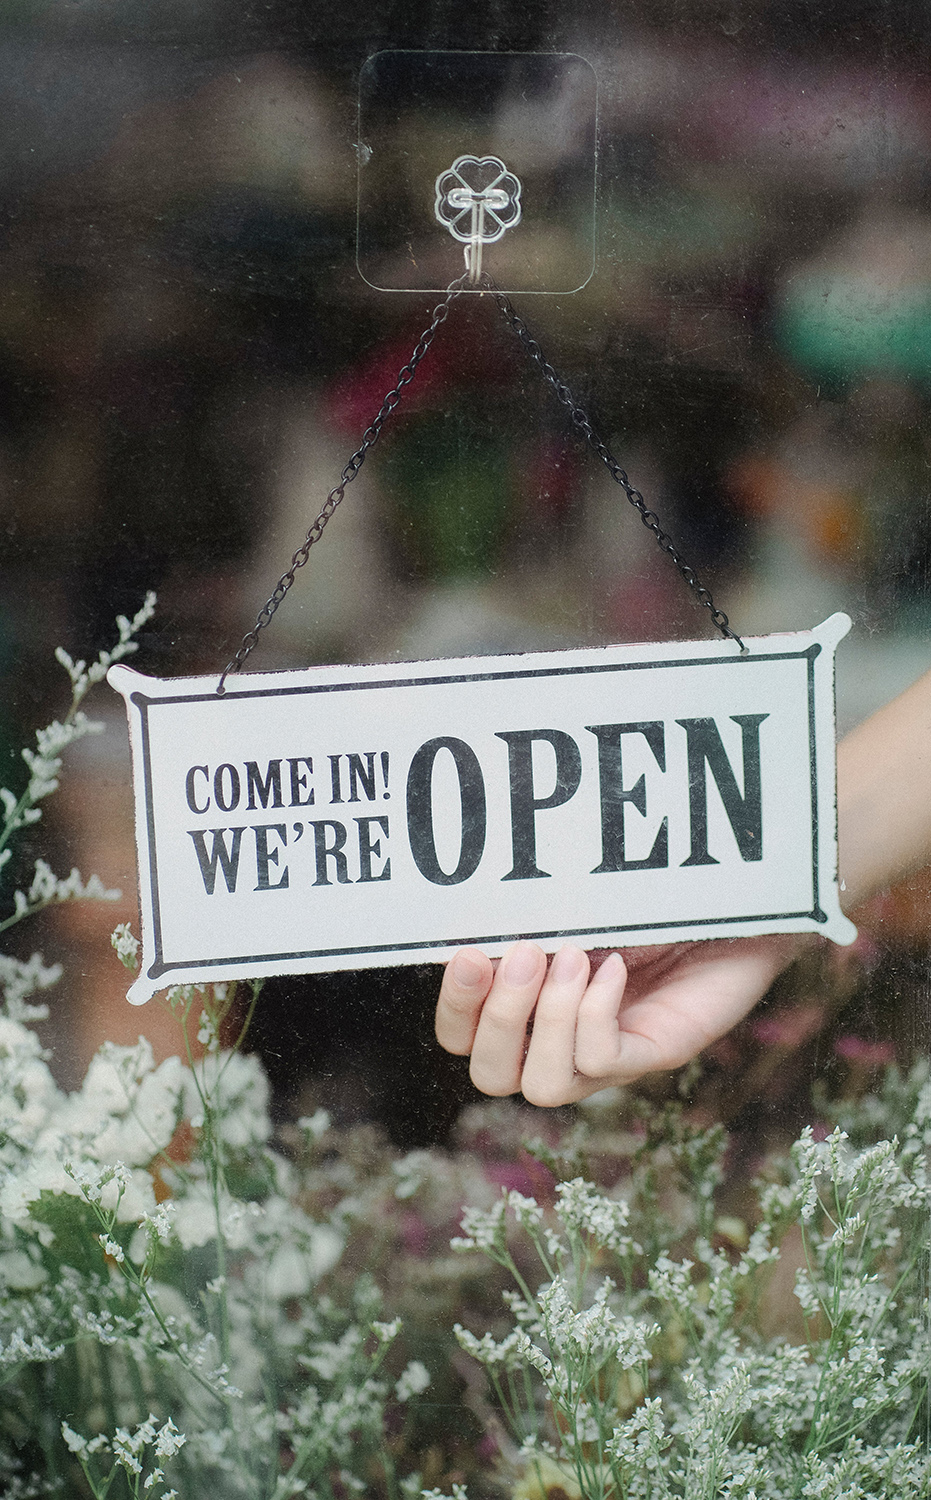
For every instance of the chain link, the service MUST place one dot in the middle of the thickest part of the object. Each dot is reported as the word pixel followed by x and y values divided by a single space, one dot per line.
pixel 581 420
pixel 369 438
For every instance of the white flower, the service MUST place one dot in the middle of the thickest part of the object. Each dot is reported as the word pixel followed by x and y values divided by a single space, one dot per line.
pixel 527 1211
pixel 160 1224
pixel 28 1093
pixel 481 1230
pixel 123 1452
pixel 413 1381
pixel 74 1441
pixel 238 1221
pixel 19 979
pixel 19 1190
pixel 169 1440
pixel 20 1272
pixel 147 1121
pixel 243 1098
pixel 136 1197
pixel 34 1350
pixel 295 1252
pixel 207 1034
pixel 315 1125
pixel 289 1273
pixel 410 1172
pixel 487 1350
pixel 584 1208
pixel 126 1109
pixel 126 945
pixel 195 1220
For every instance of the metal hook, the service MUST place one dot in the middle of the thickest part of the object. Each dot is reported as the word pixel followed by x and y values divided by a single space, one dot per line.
pixel 478 200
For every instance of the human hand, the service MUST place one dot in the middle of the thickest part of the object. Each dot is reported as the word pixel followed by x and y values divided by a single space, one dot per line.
pixel 558 1033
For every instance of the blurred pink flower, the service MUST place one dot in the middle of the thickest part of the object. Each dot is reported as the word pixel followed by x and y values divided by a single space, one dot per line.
pixel 415 1235
pixel 789 1028
pixel 865 949
pixel 526 1175
pixel 864 1054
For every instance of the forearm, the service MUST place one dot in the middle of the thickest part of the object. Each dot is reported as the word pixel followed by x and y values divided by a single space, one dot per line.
pixel 884 795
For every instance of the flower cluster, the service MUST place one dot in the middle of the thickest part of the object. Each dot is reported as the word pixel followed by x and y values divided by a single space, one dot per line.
pixel 658 1379
pixel 128 1452
pixel 154 1252
pixel 44 766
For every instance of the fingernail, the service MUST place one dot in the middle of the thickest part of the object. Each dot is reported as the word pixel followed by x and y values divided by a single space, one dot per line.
pixel 466 970
pixel 566 964
pixel 610 969
pixel 522 964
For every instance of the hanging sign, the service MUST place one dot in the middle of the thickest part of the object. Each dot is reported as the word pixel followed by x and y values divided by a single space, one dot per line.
pixel 345 817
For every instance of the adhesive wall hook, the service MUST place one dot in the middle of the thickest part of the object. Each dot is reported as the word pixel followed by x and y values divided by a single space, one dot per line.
pixel 477 200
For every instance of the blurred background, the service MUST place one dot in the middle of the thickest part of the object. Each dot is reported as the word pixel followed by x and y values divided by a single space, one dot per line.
pixel 188 355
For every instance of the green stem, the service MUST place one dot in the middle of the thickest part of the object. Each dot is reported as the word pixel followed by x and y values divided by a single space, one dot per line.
pixel 10 824
pixel 256 986
pixel 177 1350
pixel 30 911
pixel 49 1433
pixel 106 1384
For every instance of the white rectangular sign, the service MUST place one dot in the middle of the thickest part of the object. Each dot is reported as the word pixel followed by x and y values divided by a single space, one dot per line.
pixel 344 817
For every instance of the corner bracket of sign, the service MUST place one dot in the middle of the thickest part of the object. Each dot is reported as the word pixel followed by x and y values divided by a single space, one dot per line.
pixel 832 630
pixel 827 910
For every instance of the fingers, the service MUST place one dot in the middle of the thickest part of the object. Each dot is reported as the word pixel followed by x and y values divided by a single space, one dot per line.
pixel 598 1043
pixel 670 1014
pixel 548 1076
pixel 560 1036
pixel 466 982
pixel 490 1014
pixel 500 1038
pixel 620 1037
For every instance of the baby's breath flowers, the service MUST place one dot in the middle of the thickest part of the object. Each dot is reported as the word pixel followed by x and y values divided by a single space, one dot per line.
pixel 44 766
pixel 138 1272
pixel 126 1452
pixel 126 944
pixel 656 1380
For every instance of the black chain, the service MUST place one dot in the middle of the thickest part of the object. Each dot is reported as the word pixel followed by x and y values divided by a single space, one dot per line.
pixel 369 438
pixel 580 419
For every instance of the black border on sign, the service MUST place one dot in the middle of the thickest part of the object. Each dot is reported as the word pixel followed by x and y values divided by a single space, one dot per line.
pixel 159 967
